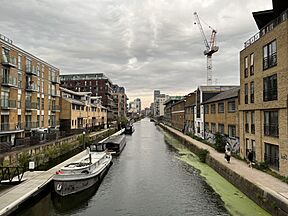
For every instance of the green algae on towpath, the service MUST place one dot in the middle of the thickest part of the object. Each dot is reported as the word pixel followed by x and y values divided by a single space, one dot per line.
pixel 235 201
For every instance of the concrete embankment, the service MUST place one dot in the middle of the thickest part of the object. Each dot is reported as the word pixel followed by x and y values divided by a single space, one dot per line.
pixel 267 191
pixel 16 196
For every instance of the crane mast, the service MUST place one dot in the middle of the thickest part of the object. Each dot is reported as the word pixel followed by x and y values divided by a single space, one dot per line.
pixel 210 47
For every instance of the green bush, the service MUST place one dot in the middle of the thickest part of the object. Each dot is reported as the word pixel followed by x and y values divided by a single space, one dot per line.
pixel 203 154
pixel 219 142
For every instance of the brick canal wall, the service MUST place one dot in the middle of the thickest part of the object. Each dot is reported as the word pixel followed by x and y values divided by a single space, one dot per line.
pixel 267 199
pixel 44 153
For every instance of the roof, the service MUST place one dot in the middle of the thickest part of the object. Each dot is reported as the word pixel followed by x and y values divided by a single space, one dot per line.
pixel 232 93
pixel 262 18
pixel 173 99
pixel 74 92
pixel 216 88
pixel 73 101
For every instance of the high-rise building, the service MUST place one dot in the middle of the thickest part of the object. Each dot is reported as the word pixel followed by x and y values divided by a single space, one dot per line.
pixel 120 101
pixel 29 94
pixel 137 103
pixel 263 97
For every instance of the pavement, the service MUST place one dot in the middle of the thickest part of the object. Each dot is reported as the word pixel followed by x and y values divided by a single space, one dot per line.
pixel 263 180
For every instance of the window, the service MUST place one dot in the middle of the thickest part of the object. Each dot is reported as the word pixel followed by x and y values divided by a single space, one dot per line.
pixel 213 127
pixel 221 128
pixel 220 107
pixel 42 103
pixel 231 130
pixel 213 108
pixel 206 126
pixel 252 64
pixel 252 92
pixel 246 67
pixel 271 155
pixel 270 88
pixel 271 123
pixel 19 101
pixel 19 62
pixel 269 55
pixel 246 93
pixel 253 122
pixel 206 109
pixel 42 120
pixel 231 106
pixel 246 122
pixel 19 80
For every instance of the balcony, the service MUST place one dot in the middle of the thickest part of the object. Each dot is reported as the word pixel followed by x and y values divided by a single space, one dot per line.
pixel 271 130
pixel 31 125
pixel 31 70
pixel 8 104
pixel 32 88
pixel 269 27
pixel 55 79
pixel 31 105
pixel 9 81
pixel 55 93
pixel 11 127
pixel 55 108
pixel 8 61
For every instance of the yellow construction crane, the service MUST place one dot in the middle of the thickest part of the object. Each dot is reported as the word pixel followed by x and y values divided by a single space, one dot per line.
pixel 210 47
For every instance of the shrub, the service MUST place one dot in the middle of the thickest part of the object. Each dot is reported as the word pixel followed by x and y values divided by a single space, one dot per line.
pixel 203 154
pixel 219 142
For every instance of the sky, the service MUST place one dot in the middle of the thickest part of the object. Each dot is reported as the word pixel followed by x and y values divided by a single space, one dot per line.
pixel 139 44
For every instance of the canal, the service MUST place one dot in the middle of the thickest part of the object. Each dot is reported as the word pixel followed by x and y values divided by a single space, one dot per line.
pixel 148 178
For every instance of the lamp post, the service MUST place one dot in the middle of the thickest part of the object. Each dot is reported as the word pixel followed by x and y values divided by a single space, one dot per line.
pixel 84 139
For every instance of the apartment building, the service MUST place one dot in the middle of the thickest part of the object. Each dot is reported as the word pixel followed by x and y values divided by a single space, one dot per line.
pixel 264 90
pixel 204 93
pixel 80 110
pixel 97 83
pixel 29 94
pixel 221 115
pixel 120 101
pixel 159 104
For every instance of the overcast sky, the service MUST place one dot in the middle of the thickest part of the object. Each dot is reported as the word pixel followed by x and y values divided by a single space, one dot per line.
pixel 139 44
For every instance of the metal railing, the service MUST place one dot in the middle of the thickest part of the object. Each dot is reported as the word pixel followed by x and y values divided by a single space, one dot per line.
pixel 31 70
pixel 269 27
pixel 271 130
pixel 30 125
pixel 6 39
pixel 8 104
pixel 270 61
pixel 31 105
pixel 270 94
pixel 9 80
pixel 32 87
pixel 9 60
pixel 11 126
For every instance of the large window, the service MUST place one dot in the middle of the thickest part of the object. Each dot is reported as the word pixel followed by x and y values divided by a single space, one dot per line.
pixel 206 109
pixel 269 55
pixel 221 128
pixel 246 66
pixel 213 127
pixel 270 88
pixel 220 107
pixel 253 122
pixel 213 108
pixel 246 122
pixel 252 64
pixel 231 106
pixel 232 130
pixel 246 93
pixel 271 155
pixel 271 123
pixel 252 92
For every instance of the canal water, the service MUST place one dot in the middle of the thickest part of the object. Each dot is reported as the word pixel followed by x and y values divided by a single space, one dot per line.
pixel 148 178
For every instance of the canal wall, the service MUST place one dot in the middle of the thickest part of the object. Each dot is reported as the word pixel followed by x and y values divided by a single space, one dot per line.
pixel 268 199
pixel 43 153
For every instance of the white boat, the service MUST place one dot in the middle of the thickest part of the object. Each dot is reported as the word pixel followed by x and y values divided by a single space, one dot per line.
pixel 84 173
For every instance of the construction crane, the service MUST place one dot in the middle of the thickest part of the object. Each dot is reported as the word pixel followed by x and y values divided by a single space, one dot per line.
pixel 210 47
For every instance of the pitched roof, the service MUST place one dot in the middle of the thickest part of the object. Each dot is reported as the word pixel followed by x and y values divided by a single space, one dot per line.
pixel 232 93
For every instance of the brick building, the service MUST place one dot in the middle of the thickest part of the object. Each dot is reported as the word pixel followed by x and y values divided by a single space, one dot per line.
pixel 168 108
pixel 263 80
pixel 120 101
pixel 221 115
pixel 97 83
pixel 178 115
pixel 189 112
pixel 29 95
